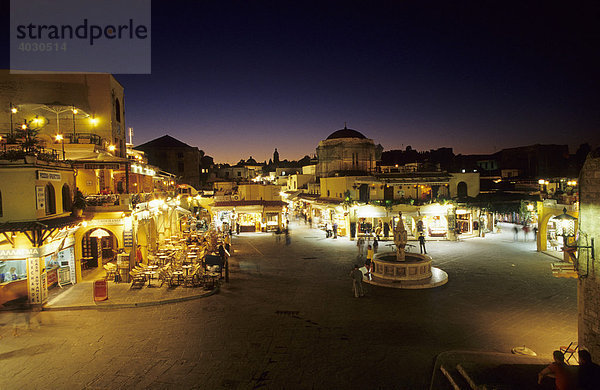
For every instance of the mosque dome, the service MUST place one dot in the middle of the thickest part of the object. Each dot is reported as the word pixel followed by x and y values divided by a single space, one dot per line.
pixel 346 133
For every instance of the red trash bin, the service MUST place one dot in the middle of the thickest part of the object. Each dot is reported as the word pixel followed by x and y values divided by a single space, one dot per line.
pixel 100 290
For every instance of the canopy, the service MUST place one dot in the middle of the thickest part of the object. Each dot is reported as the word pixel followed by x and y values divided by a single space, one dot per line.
pixel 182 210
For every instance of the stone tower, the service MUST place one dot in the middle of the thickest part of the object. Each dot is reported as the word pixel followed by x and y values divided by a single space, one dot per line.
pixel 275 157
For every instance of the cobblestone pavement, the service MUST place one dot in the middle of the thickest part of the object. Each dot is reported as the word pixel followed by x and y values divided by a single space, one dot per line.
pixel 288 320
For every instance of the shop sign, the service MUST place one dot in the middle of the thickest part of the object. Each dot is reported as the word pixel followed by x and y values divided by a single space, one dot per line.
pixel 36 281
pixel 106 222
pixel 100 166
pixel 128 238
pixel 52 276
pixel 64 276
pixel 45 175
pixel 40 197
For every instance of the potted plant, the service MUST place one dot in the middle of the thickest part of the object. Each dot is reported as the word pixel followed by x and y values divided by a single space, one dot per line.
pixel 79 204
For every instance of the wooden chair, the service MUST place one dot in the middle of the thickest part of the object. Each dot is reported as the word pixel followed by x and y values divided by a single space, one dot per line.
pixel 137 279
pixel 110 272
pixel 569 351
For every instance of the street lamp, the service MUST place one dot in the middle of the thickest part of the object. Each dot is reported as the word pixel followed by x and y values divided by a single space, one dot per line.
pixel 566 228
pixel 59 137
pixel 74 113
pixel 13 110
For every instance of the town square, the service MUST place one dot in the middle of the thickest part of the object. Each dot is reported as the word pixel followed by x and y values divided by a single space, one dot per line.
pixel 308 195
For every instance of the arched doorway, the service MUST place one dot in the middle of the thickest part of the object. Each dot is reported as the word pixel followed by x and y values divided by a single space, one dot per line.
pixel 99 247
pixel 461 190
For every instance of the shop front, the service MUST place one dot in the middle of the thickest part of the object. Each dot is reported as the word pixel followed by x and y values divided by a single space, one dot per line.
pixel 464 221
pixel 249 221
pixel 31 272
pixel 249 216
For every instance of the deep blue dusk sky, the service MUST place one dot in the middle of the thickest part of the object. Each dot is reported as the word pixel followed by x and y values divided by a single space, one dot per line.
pixel 241 78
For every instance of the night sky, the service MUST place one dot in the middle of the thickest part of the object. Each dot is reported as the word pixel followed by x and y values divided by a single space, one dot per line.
pixel 242 78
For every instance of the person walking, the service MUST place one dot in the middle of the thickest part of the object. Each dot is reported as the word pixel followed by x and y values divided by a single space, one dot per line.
pixel 357 278
pixel 369 256
pixel 422 243
pixel 375 245
pixel 335 226
pixel 359 246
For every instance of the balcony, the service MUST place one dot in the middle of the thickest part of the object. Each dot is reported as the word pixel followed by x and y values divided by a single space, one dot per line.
pixel 107 203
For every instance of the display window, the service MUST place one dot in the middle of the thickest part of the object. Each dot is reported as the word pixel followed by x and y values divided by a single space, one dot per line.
pixel 437 225
pixel 248 219
pixel 463 221
pixel 11 270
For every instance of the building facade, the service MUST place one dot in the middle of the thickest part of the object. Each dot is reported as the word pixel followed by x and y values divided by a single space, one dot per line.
pixel 347 150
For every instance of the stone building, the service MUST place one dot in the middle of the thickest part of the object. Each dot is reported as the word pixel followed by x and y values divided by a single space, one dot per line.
pixel 347 151
pixel 84 108
pixel 589 268
pixel 179 158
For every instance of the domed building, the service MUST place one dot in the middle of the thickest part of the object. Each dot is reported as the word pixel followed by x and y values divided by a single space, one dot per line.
pixel 347 151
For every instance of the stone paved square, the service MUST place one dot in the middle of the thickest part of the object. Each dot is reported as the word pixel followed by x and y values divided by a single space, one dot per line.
pixel 288 320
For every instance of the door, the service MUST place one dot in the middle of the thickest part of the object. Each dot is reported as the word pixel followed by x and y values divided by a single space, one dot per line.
pixel 388 193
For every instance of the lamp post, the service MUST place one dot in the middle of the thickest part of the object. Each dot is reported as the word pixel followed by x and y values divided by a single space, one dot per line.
pixel 13 110
pixel 59 137
pixel 74 112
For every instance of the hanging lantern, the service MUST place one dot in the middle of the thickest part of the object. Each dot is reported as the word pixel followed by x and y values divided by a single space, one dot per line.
pixel 566 224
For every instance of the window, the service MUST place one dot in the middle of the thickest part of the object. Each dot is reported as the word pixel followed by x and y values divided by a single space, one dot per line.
pixel 50 199
pixel 239 174
pixel 66 198
pixel 117 110
pixel 180 166
pixel 180 155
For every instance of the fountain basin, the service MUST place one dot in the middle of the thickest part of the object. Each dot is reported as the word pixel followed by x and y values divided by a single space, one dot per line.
pixel 415 272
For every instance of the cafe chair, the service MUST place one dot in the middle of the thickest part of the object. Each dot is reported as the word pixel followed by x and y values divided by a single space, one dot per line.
pixel 569 351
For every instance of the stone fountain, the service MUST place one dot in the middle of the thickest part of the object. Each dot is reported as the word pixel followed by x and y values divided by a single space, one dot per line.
pixel 400 269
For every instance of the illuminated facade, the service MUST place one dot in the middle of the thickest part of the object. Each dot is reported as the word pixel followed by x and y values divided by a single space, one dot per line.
pixel 347 150
pixel 37 249
pixel 87 110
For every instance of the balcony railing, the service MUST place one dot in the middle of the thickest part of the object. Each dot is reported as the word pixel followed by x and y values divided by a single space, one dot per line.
pixel 83 138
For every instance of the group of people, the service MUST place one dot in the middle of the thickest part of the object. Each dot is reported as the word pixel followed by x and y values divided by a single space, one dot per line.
pixel 588 373
pixel 331 230
pixel 526 229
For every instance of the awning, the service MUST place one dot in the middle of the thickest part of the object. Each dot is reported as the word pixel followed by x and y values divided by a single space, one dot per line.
pixel 38 231
pixel 181 210
pixel 369 211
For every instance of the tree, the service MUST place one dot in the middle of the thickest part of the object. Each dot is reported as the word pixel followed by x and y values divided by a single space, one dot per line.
pixel 28 135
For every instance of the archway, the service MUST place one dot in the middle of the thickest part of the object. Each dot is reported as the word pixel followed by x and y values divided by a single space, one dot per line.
pixel 98 246
pixel 461 190
pixel 545 234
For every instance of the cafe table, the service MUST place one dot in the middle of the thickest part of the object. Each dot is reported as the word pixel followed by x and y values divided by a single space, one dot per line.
pixel 186 268
pixel 179 275
pixel 150 275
